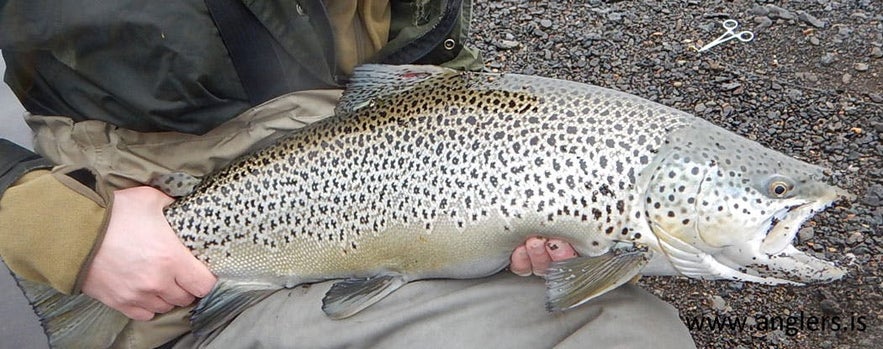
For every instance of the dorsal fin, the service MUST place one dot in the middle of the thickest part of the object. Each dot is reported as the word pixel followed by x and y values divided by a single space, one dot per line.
pixel 372 82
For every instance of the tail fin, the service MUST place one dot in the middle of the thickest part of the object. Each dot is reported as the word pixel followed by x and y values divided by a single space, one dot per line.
pixel 73 321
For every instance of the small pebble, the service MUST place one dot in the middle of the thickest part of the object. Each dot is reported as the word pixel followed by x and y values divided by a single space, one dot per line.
pixel 718 303
pixel 814 40
pixel 847 78
pixel 507 44
pixel 828 58
pixel 876 52
pixel 806 234
pixel 854 237
pixel 730 86
pixel 828 306
pixel 861 66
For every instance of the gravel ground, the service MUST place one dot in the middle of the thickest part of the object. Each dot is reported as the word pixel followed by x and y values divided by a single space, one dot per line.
pixel 810 84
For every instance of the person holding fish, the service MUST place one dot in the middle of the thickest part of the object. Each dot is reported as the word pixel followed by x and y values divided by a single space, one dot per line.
pixel 121 93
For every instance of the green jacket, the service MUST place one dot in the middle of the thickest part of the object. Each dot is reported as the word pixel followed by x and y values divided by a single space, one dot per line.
pixel 149 66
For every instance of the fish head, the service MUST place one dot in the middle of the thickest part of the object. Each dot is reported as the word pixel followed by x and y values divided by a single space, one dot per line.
pixel 724 207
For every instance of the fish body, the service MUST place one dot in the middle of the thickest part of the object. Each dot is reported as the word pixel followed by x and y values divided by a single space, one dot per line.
pixel 427 172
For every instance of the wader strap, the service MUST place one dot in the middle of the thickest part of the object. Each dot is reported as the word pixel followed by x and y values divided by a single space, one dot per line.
pixel 15 161
pixel 252 49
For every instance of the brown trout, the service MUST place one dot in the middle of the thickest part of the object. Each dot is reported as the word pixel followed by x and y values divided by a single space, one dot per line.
pixel 427 173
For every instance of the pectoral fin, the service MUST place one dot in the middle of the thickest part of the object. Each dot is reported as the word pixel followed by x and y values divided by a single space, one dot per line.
pixel 226 300
pixel 575 281
pixel 350 296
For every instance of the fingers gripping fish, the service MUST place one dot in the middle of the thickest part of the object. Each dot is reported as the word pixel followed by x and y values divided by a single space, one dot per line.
pixel 428 173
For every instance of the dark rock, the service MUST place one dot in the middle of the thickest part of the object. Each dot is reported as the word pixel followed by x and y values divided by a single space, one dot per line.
pixel 758 10
pixel 806 234
pixel 874 196
pixel 762 22
pixel 809 19
pixel 730 86
pixel 829 306
pixel 507 44
pixel 778 12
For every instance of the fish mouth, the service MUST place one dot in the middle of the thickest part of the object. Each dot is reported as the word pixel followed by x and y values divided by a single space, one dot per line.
pixel 779 261
pixel 770 259
pixel 785 223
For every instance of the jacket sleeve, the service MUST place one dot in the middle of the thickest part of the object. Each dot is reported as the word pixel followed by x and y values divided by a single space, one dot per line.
pixel 50 226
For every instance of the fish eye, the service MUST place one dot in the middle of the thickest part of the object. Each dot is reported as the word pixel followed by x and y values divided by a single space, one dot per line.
pixel 779 188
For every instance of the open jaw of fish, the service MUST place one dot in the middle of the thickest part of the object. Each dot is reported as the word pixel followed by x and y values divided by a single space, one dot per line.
pixel 428 172
pixel 742 222
pixel 768 259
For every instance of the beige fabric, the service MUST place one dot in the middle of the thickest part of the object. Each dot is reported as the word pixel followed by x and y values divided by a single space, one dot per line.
pixel 502 311
pixel 50 251
pixel 123 158
pixel 361 28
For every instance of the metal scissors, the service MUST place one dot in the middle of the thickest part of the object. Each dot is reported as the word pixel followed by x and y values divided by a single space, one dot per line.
pixel 730 25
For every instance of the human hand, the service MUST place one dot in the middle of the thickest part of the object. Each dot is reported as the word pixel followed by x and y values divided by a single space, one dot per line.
pixel 537 253
pixel 141 268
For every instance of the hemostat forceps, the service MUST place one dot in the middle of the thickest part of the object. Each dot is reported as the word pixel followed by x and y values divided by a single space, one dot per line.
pixel 730 25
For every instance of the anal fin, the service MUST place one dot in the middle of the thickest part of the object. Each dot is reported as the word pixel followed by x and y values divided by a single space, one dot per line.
pixel 575 281
pixel 225 301
pixel 350 296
